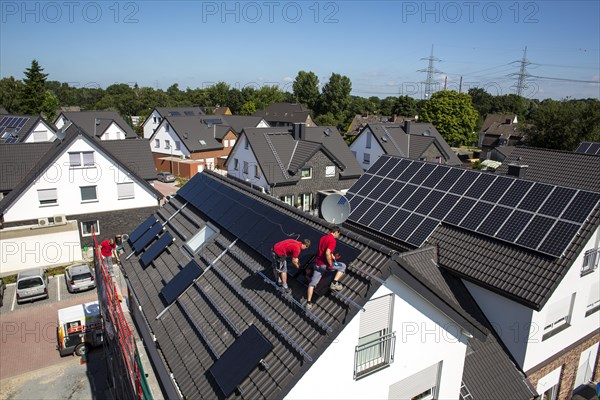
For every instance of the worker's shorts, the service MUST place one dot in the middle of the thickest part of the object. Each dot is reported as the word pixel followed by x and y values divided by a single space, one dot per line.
pixel 279 263
pixel 319 270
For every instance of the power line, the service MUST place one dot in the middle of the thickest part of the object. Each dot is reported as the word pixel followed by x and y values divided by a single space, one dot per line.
pixel 430 81
pixel 522 74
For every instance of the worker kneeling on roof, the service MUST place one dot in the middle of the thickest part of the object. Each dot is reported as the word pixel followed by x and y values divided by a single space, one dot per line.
pixel 280 252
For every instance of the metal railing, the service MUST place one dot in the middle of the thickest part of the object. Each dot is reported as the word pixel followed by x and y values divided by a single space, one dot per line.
pixel 374 355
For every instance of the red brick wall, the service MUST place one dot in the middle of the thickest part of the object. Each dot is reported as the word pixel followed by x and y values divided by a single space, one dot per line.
pixel 569 362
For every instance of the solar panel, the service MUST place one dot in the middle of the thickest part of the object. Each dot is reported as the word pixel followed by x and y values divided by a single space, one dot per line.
pixel 423 232
pixel 359 183
pixel 559 238
pixel 536 196
pixel 449 179
pixel 363 207
pixel 189 113
pixel 378 164
pixel 417 197
pixel 370 185
pixel 515 193
pixel 557 201
pixel 380 188
pixel 480 186
pixel 594 148
pixel 581 206
pixel 423 173
pixel 408 227
pixel 385 215
pixel 464 182
pixel 459 211
pixel 16 123
pixel 537 229
pixel 371 213
pixel 588 148
pixel 410 171
pixel 385 168
pixel 354 203
pixel 403 195
pixel 238 361
pixel 436 176
pixel 514 226
pixel 430 202
pixel 147 237
pixel 391 192
pixel 395 222
pixel 582 148
pixel 444 206
pixel 156 249
pixel 498 188
pixel 398 168
pixel 494 220
pixel 476 215
pixel 180 282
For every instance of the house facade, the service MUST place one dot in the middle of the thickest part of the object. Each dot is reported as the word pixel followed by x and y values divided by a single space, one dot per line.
pixel 105 125
pixel 417 141
pixel 75 187
pixel 157 115
pixel 293 165
pixel 25 129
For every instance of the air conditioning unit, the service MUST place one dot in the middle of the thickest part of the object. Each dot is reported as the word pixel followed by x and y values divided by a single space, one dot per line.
pixel 60 219
pixel 183 157
pixel 43 222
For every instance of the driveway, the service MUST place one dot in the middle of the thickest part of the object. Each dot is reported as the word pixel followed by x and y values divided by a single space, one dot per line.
pixel 165 188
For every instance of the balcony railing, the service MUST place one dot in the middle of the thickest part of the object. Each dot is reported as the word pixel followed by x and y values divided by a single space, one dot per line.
pixel 373 356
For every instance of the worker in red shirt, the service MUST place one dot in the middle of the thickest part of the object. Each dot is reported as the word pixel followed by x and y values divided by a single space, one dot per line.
pixel 280 252
pixel 107 249
pixel 326 261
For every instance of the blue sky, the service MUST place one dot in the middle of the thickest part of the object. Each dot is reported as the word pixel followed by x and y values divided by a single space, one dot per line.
pixel 379 45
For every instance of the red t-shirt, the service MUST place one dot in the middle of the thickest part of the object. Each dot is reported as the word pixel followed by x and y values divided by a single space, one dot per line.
pixel 106 249
pixel 326 242
pixel 288 247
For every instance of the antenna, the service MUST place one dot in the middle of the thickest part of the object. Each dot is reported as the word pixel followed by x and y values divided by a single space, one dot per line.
pixel 335 208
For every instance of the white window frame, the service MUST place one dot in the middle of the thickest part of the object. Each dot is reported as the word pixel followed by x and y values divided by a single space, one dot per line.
pixel 288 199
pixel 129 189
pixel 157 143
pixel 236 164
pixel 366 158
pixel 590 261
pixel 77 159
pixel 560 322
pixel 197 242
pixel 304 175
pixel 329 171
pixel 256 171
pixel 245 167
pixel 231 142
pixel 95 223
pixel 369 139
pixel 593 302
pixel 177 145
pixel 95 199
pixel 48 197
pixel 167 144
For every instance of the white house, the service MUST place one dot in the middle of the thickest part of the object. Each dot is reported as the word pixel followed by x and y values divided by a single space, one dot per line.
pixel 77 179
pixel 105 125
pixel 25 129
pixel 157 115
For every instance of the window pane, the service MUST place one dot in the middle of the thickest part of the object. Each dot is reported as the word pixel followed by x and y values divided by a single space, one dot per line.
pixel 88 193
pixel 74 160
pixel 86 227
pixel 88 158
pixel 125 190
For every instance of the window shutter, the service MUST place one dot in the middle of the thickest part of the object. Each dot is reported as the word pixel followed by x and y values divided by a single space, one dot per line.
pixel 416 384
pixel 377 315
pixel 125 190
pixel 74 159
pixel 594 293
pixel 558 310
pixel 88 158
pixel 47 194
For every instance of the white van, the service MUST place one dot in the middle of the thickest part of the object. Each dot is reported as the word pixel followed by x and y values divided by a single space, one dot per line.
pixel 79 328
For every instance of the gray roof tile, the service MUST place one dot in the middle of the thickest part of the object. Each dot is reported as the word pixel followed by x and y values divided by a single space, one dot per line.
pixel 86 121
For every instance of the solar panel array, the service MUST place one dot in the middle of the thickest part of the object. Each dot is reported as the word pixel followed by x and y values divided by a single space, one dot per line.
pixel 9 126
pixel 408 199
pixel 588 148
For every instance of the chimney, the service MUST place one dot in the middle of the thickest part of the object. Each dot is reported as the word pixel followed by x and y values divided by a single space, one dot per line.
pixel 517 170
pixel 407 127
pixel 299 131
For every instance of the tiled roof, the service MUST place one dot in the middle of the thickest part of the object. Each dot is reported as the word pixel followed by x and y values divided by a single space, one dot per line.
pixel 135 154
pixel 16 160
pixel 284 112
pixel 491 119
pixel 271 145
pixel 25 130
pixel 191 131
pixel 239 122
pixel 232 294
pixel 504 131
pixel 167 111
pixel 87 119
pixel 489 372
pixel 557 167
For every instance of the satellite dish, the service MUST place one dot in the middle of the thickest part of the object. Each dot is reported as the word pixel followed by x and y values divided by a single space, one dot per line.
pixel 62 132
pixel 335 208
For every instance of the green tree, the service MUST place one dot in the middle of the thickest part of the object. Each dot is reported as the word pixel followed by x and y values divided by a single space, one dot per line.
pixel 306 89
pixel 406 106
pixel 218 94
pixel 249 108
pixel 50 106
pixel 482 100
pixel 335 98
pixel 34 91
pixel 562 125
pixel 387 105
pixel 510 104
pixel 452 114
pixel 267 95
pixel 11 91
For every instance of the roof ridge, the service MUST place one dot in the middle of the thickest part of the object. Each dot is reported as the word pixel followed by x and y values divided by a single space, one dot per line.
pixel 279 162
pixel 296 142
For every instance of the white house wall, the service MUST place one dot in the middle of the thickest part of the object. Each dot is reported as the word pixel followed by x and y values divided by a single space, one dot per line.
pixel 150 125
pixel 40 133
pixel 424 336
pixel 521 328
pixel 113 132
pixel 163 135
pixel 247 155
pixel 359 147
pixel 105 176
pixel 27 247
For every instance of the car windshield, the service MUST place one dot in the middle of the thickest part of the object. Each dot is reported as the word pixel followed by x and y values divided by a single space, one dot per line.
pixel 30 283
pixel 82 276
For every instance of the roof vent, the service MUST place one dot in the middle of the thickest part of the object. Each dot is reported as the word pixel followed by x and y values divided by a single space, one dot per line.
pixel 517 170
pixel 327 132
pixel 384 138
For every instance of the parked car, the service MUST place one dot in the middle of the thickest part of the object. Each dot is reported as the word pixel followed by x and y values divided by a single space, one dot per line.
pixel 166 177
pixel 79 278
pixel 32 284
pixel 2 287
